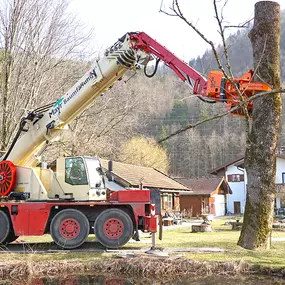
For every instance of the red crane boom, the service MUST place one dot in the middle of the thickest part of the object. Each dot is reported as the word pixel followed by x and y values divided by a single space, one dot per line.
pixel 217 88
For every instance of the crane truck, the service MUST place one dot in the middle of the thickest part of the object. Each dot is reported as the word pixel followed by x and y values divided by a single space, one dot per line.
pixel 72 202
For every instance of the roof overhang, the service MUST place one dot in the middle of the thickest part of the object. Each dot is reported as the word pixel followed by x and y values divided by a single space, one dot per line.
pixel 186 193
pixel 175 191
pixel 240 164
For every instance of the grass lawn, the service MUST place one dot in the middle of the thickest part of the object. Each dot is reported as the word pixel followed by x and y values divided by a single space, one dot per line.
pixel 180 237
pixel 223 237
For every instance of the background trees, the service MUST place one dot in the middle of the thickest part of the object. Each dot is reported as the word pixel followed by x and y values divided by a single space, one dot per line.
pixel 145 152
pixel 39 44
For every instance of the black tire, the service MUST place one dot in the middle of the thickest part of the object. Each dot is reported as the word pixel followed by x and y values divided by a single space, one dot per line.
pixel 11 237
pixel 69 228
pixel 113 228
pixel 5 227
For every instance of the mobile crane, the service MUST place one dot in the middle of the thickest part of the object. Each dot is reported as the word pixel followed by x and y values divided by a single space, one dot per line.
pixel 35 200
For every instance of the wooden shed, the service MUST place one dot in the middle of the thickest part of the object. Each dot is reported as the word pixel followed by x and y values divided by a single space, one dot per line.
pixel 208 196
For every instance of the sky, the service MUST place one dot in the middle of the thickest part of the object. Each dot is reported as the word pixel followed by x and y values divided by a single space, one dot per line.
pixel 111 19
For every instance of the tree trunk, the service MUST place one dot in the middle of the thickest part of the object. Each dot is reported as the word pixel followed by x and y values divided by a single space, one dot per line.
pixel 260 158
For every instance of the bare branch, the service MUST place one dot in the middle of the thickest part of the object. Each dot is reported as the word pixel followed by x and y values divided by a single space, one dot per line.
pixel 243 25
pixel 230 77
pixel 179 13
pixel 164 12
pixel 218 116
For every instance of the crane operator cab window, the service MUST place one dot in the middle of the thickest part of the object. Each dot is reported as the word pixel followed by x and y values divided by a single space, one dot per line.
pixel 96 175
pixel 75 172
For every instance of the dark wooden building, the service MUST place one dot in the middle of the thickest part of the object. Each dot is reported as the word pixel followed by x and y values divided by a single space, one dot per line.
pixel 208 196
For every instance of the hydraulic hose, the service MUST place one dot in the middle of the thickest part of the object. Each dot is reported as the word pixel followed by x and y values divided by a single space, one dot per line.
pixel 154 71
pixel 207 100
pixel 20 130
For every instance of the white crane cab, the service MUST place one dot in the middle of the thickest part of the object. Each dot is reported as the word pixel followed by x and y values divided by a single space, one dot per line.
pixel 74 178
pixel 82 177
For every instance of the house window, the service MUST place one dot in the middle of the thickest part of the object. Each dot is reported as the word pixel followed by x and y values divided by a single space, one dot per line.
pixel 283 177
pixel 167 201
pixel 235 178
pixel 170 201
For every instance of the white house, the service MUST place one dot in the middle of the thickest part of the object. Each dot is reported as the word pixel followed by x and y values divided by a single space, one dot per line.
pixel 235 175
pixel 280 182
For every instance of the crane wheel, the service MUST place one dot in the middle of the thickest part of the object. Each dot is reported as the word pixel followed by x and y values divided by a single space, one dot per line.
pixel 5 227
pixel 7 177
pixel 69 228
pixel 11 237
pixel 113 228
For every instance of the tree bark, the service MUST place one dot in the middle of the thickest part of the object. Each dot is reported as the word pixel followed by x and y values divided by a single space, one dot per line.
pixel 261 149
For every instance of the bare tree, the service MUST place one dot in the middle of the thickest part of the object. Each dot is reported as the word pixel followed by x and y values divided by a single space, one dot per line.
pixel 38 40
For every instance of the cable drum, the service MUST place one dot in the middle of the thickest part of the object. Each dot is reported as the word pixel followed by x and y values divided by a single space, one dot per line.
pixel 7 177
